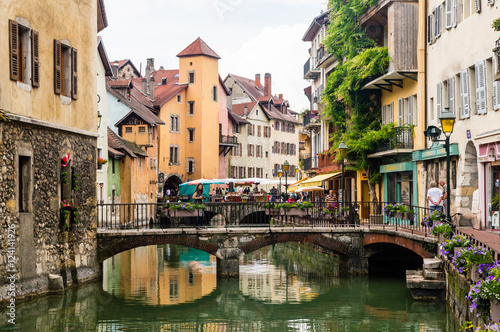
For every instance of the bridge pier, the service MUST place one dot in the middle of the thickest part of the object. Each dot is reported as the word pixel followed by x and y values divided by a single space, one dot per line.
pixel 228 263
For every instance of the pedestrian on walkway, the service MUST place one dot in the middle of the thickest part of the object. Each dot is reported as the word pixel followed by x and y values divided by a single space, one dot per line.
pixel 445 194
pixel 435 195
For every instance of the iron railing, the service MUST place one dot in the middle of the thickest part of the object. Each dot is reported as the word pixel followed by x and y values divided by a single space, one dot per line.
pixel 306 164
pixel 226 139
pixel 251 214
pixel 403 139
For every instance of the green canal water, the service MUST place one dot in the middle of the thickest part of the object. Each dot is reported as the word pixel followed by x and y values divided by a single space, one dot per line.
pixel 285 287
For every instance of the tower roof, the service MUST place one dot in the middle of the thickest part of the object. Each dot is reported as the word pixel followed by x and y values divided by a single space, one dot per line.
pixel 198 47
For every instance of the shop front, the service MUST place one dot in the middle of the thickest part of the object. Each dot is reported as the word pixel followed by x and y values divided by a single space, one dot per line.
pixel 489 160
pixel 400 183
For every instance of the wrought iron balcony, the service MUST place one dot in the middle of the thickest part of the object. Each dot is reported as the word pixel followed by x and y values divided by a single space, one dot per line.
pixel 402 142
pixel 228 140
pixel 307 164
pixel 310 70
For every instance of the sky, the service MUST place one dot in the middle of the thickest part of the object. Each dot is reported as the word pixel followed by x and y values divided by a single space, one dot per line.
pixel 250 36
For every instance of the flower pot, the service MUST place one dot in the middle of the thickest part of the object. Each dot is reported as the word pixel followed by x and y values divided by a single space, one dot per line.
pixel 495 310
pixel 296 212
pixel 441 238
pixel 398 215
pixel 457 249
pixel 186 213
pixel 474 273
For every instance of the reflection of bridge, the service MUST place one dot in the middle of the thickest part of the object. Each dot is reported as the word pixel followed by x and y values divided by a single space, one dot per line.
pixel 235 229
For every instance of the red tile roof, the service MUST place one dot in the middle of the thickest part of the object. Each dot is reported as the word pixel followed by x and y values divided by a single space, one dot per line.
pixel 123 83
pixel 198 47
pixel 239 109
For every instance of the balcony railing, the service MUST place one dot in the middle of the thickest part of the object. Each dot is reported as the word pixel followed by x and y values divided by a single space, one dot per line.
pixel 403 139
pixel 320 54
pixel 307 164
pixel 226 139
pixel 310 71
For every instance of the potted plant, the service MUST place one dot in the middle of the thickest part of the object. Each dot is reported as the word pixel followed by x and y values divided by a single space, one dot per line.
pixel 457 241
pixel 101 161
pixel 185 209
pixel 442 231
pixel 485 295
pixel 467 260
pixel 432 218
pixel 68 213
pixel 296 208
pixel 390 210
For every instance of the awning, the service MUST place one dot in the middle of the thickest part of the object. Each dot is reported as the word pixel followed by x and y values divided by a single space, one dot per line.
pixel 295 186
pixel 318 179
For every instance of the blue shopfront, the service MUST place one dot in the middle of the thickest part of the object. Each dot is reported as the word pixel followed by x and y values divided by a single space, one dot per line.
pixel 400 182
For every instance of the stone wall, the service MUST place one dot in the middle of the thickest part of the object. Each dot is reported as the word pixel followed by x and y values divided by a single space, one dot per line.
pixel 41 245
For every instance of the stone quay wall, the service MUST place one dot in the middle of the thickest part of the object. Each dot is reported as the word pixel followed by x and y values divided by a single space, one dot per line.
pixel 34 243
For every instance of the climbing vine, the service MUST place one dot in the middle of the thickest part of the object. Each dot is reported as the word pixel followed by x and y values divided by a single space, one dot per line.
pixel 355 113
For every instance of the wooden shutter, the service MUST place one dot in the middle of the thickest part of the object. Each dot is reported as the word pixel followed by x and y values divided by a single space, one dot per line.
pixel 414 109
pixel 451 94
pixel 464 93
pixel 480 70
pixel 57 67
pixel 74 73
pixel 448 14
pixel 439 99
pixel 14 50
pixel 408 107
pixel 429 29
pixel 391 113
pixel 400 112
pixel 35 60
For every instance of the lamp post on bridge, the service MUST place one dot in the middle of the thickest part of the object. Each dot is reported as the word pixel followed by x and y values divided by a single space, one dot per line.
pixel 286 168
pixel 280 174
pixel 343 153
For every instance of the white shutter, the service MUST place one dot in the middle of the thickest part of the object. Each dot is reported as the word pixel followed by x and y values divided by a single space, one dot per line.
pixel 464 93
pixel 451 94
pixel 384 108
pixel 448 14
pixel 391 113
pixel 414 109
pixel 480 69
pixel 439 98
pixel 429 29
pixel 409 110
pixel 478 6
pixel 400 112
pixel 496 95
pixel 454 12
pixel 437 21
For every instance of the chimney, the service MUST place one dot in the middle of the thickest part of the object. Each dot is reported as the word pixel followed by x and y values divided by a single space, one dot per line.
pixel 150 66
pixel 267 85
pixel 144 85
pixel 152 89
pixel 280 96
pixel 257 80
pixel 163 81
pixel 114 70
pixel 245 110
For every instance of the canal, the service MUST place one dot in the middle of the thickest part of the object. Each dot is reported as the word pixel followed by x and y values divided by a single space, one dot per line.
pixel 285 287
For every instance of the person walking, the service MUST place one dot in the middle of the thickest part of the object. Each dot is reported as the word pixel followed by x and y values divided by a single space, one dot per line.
pixel 435 195
pixel 198 199
pixel 445 194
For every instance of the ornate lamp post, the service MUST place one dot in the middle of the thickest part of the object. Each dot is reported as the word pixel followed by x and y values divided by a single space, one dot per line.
pixel 280 174
pixel 286 168
pixel 343 153
pixel 447 122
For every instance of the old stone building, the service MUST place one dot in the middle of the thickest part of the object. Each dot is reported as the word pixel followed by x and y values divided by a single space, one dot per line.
pixel 48 137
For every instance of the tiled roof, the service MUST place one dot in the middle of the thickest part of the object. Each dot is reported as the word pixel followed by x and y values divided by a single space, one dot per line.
pixel 237 118
pixel 115 153
pixel 257 94
pixel 124 146
pixel 239 109
pixel 136 107
pixel 123 83
pixel 198 47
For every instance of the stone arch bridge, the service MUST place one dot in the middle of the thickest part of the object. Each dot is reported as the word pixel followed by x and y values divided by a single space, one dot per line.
pixel 354 245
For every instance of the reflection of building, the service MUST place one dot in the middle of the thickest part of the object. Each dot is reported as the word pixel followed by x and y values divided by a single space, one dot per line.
pixel 144 273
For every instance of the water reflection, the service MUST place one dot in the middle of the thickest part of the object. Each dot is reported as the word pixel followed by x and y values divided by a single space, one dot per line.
pixel 281 288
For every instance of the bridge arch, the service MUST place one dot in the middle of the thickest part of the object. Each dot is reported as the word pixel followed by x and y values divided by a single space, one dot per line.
pixel 114 245
pixel 370 240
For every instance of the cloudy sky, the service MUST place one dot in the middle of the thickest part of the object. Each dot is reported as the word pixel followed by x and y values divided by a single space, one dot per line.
pixel 251 36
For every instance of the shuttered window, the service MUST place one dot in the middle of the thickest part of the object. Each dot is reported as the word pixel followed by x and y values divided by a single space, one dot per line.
pixel 496 93
pixel 448 14
pixel 429 29
pixel 24 60
pixel 451 94
pixel 35 60
pixel 400 112
pixel 480 71
pixel 439 97
pixel 464 93
pixel 65 70
pixel 14 51
pixel 454 13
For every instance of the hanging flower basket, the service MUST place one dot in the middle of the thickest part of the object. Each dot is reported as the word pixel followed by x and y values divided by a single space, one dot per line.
pixel 296 212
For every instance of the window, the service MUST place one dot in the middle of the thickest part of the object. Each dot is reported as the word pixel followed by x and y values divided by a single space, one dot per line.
pixel 464 94
pixel 24 184
pixel 429 29
pixel 450 13
pixel 191 135
pixel 258 131
pixel 128 130
pixel 236 129
pixel 99 155
pixel 179 98
pixel 400 112
pixel 190 165
pixel 190 107
pixel 65 70
pixel 214 93
pixel 191 77
pixel 387 113
pixel 23 55
pixel 267 154
pixel 439 98
pixel 234 171
pixel 142 129
pixel 174 155
pixel 113 166
pixel 259 151
pixel 277 125
pixel 250 150
pixel 174 123
pixel 480 75
pixel 283 127
pixel 437 21
pixel 242 171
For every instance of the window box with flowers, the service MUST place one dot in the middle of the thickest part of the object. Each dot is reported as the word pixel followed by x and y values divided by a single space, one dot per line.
pixel 184 209
pixel 432 219
pixel 399 211
pixel 69 214
pixel 485 294
pixel 101 161
pixel 457 241
pixel 441 231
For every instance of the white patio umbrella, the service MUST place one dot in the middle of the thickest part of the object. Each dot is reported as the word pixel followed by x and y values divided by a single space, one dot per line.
pixel 311 188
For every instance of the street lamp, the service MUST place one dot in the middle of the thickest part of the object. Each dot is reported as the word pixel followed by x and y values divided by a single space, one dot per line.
pixel 286 168
pixel 447 122
pixel 343 153
pixel 280 174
